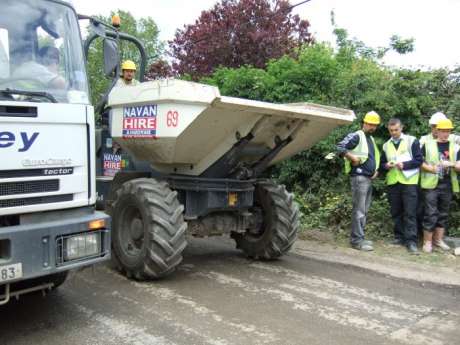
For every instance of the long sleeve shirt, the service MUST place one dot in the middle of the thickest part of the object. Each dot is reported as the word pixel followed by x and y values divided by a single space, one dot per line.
pixel 349 143
pixel 415 162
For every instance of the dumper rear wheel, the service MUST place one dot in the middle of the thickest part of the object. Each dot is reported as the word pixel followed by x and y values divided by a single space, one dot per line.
pixel 148 229
pixel 277 229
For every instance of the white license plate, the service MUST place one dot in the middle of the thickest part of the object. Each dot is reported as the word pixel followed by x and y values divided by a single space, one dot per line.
pixel 10 272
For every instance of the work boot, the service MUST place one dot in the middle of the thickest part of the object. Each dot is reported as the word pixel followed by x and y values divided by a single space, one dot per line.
pixel 427 241
pixel 364 246
pixel 438 239
pixel 397 242
pixel 412 248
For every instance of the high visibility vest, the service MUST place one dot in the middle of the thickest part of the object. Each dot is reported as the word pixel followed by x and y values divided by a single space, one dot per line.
pixel 425 138
pixel 395 175
pixel 430 180
pixel 362 152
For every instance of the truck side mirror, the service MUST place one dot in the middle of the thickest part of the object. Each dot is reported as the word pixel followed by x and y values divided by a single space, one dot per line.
pixel 110 56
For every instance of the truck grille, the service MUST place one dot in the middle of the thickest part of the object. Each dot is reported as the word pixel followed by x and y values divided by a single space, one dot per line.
pixel 36 200
pixel 28 187
pixel 49 172
pixel 20 173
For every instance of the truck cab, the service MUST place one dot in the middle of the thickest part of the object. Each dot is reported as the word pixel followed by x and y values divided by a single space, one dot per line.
pixel 48 223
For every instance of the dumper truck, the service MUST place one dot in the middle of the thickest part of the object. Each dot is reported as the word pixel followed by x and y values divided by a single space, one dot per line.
pixel 177 158
pixel 48 222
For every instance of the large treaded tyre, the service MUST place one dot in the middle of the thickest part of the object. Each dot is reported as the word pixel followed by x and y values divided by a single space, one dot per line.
pixel 148 229
pixel 279 227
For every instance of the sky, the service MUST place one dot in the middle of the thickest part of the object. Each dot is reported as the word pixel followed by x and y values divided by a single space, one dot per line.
pixel 434 24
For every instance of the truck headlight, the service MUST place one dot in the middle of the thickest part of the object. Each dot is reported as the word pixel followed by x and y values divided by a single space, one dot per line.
pixel 81 246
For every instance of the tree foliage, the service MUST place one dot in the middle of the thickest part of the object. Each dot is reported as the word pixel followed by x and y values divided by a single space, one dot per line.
pixel 236 33
pixel 143 29
pixel 159 69
pixel 402 46
pixel 357 47
pixel 348 77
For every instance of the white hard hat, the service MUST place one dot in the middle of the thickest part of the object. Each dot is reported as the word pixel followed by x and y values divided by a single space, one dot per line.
pixel 434 119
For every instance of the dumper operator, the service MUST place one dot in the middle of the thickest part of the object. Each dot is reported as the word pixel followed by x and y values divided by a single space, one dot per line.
pixel 128 71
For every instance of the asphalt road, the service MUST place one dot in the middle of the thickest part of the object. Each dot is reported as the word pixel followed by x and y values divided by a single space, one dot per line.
pixel 218 297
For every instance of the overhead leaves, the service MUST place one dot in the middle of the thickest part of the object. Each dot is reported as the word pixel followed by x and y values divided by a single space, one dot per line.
pixel 236 33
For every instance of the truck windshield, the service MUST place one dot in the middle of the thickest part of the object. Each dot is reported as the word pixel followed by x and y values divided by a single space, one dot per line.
pixel 41 52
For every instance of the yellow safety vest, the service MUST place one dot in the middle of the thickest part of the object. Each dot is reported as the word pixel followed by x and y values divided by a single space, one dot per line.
pixel 425 138
pixel 362 151
pixel 395 175
pixel 430 180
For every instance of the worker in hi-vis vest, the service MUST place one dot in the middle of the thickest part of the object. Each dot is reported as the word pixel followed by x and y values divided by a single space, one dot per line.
pixel 128 71
pixel 401 160
pixel 433 135
pixel 362 159
pixel 438 181
pixel 434 119
pixel 432 122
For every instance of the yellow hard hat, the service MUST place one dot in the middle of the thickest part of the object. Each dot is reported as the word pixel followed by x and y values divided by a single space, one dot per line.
pixel 445 124
pixel 372 118
pixel 128 64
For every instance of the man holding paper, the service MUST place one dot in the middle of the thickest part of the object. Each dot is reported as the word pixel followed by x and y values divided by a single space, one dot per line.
pixel 401 159
pixel 438 182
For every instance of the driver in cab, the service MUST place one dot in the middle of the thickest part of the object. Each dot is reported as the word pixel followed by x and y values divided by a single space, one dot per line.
pixel 46 72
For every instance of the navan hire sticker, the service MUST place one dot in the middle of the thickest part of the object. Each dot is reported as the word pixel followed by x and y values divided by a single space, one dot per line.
pixel 140 121
pixel 112 164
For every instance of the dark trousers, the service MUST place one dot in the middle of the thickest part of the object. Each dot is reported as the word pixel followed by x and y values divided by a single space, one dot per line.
pixel 437 202
pixel 420 212
pixel 403 208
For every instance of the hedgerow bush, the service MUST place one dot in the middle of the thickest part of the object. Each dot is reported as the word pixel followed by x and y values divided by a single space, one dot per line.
pixel 345 78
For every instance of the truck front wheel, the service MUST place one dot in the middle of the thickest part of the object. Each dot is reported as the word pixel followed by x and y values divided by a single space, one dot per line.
pixel 276 231
pixel 148 229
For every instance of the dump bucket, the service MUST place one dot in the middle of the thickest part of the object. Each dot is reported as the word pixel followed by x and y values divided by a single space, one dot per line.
pixel 184 127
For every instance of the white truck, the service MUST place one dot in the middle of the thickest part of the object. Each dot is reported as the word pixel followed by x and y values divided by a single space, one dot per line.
pixel 48 222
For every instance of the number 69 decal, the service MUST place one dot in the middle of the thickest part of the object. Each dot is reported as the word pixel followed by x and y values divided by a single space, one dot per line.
pixel 172 118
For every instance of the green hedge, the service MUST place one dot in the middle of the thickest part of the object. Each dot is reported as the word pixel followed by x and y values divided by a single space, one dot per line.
pixel 344 78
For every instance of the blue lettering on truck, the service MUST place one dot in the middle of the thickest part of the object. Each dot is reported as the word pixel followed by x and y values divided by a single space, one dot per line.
pixel 8 139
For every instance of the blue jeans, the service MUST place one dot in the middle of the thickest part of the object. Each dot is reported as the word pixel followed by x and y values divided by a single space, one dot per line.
pixel 361 189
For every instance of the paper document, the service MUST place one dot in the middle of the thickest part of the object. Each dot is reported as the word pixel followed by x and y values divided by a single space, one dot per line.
pixel 404 158
pixel 409 173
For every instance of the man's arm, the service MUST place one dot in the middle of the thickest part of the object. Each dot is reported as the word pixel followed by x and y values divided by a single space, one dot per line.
pixel 457 162
pixel 425 166
pixel 429 168
pixel 383 162
pixel 417 157
pixel 347 144
pixel 57 83
pixel 456 138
